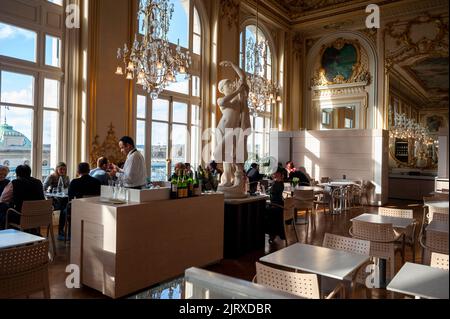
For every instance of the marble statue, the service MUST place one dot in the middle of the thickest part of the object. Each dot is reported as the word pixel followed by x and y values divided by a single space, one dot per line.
pixel 231 134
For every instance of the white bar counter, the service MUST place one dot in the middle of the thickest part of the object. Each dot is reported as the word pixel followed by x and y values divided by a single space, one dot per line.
pixel 125 248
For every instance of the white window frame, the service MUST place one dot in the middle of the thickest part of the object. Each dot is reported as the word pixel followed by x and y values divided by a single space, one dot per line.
pixel 40 71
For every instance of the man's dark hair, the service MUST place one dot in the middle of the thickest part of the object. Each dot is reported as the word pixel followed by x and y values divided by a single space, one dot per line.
pixel 213 164
pixel 83 168
pixel 254 165
pixel 23 171
pixel 102 161
pixel 127 140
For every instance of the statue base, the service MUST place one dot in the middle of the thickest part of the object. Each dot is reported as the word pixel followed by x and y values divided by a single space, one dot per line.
pixel 237 190
pixel 232 192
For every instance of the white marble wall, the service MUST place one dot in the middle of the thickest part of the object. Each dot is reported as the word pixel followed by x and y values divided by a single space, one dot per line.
pixel 358 154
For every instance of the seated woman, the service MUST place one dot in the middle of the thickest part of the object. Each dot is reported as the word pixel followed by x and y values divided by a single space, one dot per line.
pixel 50 183
pixel 274 210
pixel 4 171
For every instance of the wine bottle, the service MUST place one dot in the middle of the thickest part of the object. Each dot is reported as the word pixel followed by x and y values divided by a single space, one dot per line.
pixel 190 183
pixel 180 186
pixel 174 188
pixel 197 189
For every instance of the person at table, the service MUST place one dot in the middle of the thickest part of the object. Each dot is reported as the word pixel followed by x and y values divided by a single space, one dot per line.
pixel 84 185
pixel 134 172
pixel 303 170
pixel 253 177
pixel 100 172
pixel 52 180
pixel 274 210
pixel 23 188
pixel 290 168
pixel 4 171
pixel 188 170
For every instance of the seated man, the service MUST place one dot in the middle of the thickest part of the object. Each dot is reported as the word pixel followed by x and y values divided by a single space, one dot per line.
pixel 253 177
pixel 85 185
pixel 303 179
pixel 24 188
pixel 100 172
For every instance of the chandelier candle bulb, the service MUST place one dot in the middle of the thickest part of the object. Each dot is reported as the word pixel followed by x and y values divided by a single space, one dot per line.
pixel 119 71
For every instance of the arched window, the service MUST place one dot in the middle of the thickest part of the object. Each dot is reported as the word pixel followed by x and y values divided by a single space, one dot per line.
pixel 32 90
pixel 170 126
pixel 258 142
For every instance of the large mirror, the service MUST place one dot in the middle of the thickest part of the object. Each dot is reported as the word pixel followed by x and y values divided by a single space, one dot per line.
pixel 338 117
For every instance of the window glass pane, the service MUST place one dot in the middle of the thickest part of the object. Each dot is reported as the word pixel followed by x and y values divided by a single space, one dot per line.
pixel 140 136
pixel 259 140
pixel 250 147
pixel 259 124
pixel 141 106
pixel 17 88
pixel 195 86
pixel 180 86
pixel 195 146
pixel 58 2
pixel 160 110
pixel 195 115
pixel 179 139
pixel 51 93
pixel 17 43
pixel 197 25
pixel 197 45
pixel 15 137
pixel 180 112
pixel 52 51
pixel 267 125
pixel 179 25
pixel 267 144
pixel 50 143
pixel 159 151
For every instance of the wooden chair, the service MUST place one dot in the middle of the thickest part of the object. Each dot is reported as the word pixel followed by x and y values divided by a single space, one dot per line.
pixel 353 245
pixel 410 232
pixel 324 199
pixel 303 285
pixel 439 261
pixel 305 201
pixel 441 218
pixel 289 217
pixel 433 242
pixel 35 214
pixel 382 241
pixel 24 270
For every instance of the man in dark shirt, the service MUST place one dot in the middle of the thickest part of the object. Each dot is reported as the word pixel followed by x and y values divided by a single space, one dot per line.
pixel 24 188
pixel 85 185
pixel 254 177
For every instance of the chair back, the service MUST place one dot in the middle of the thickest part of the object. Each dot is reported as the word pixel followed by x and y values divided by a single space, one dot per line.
pixel 304 199
pixel 436 210
pixel 303 285
pixel 373 231
pixel 353 245
pixel 24 270
pixel 439 261
pixel 439 217
pixel 36 214
pixel 395 212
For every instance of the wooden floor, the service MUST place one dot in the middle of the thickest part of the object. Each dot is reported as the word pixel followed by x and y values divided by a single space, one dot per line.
pixel 244 267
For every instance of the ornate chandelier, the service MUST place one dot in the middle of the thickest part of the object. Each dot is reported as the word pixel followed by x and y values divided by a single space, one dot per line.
pixel 153 61
pixel 405 128
pixel 262 92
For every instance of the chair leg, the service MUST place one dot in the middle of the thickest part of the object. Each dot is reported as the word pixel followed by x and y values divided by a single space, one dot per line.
pixel 50 227
pixel 295 232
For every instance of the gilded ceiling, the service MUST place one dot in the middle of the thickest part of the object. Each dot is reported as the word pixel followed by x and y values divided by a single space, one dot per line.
pixel 301 7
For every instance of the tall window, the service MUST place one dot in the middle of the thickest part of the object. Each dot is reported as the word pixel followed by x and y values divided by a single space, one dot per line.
pixel 258 141
pixel 169 128
pixel 31 88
